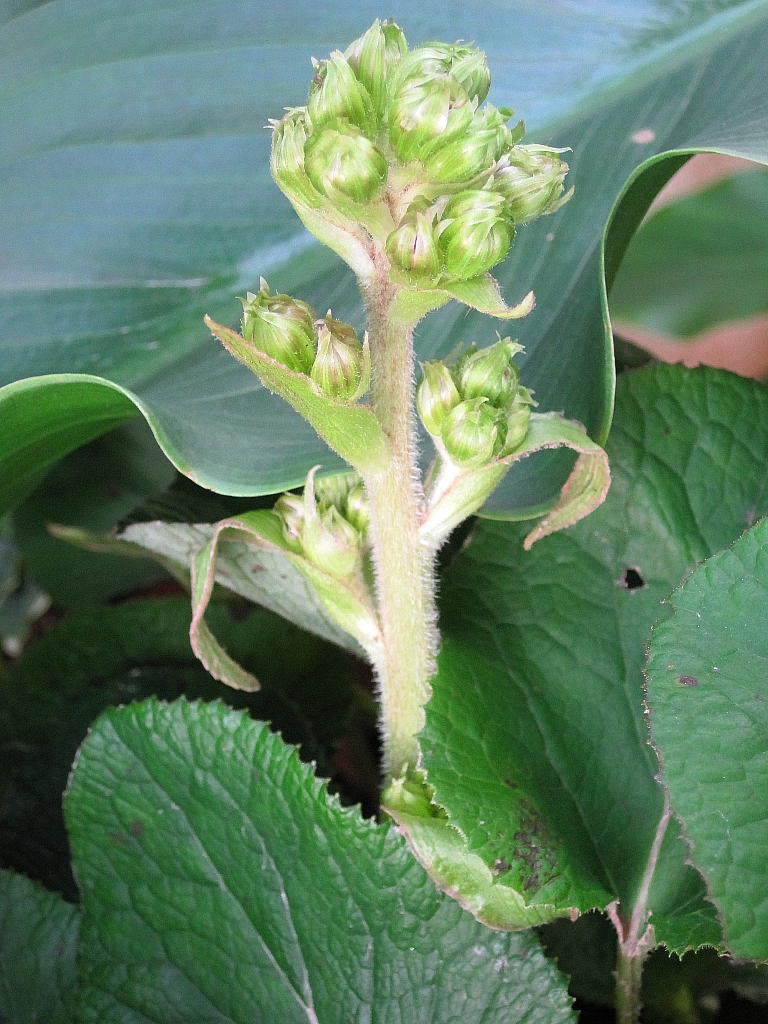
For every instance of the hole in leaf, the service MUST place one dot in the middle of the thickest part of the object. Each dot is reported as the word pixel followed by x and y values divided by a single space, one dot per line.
pixel 631 579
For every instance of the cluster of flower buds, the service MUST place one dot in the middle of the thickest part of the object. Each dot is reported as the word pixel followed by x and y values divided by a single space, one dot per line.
pixel 476 411
pixel 328 523
pixel 402 142
pixel 327 350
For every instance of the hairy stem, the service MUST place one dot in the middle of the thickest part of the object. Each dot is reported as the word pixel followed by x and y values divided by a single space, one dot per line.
pixel 629 978
pixel 404 580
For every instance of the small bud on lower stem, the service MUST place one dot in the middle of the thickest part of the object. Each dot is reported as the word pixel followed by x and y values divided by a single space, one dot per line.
pixel 436 396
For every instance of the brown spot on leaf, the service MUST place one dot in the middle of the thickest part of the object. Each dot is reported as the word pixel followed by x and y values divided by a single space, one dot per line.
pixel 117 837
pixel 534 849
pixel 688 680
pixel 136 829
pixel 501 866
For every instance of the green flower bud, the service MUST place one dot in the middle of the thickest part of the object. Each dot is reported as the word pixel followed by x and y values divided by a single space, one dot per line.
pixel 342 366
pixel 490 373
pixel 426 111
pixel 436 396
pixel 336 93
pixel 374 56
pixel 467 64
pixel 357 509
pixel 518 419
pixel 346 492
pixel 412 248
pixel 332 543
pixel 290 508
pixel 315 526
pixel 333 490
pixel 470 67
pixel 287 159
pixel 531 180
pixel 281 327
pixel 342 163
pixel 475 152
pixel 474 234
pixel 471 433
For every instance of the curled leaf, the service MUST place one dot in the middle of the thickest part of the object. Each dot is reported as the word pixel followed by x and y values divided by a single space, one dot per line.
pixel 442 850
pixel 481 293
pixel 457 493
pixel 338 601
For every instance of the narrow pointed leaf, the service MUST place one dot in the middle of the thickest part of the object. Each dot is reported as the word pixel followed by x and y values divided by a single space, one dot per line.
pixel 352 431
pixel 480 293
pixel 584 490
pixel 483 294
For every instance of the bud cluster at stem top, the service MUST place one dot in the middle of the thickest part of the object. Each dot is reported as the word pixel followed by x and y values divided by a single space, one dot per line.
pixel 400 142
pixel 328 523
pixel 327 350
pixel 476 411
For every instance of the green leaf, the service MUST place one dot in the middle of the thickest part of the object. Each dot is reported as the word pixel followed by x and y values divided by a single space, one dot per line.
pixel 51 695
pixel 125 231
pixel 536 741
pixel 442 850
pixel 352 431
pixel 699 262
pixel 93 489
pixel 22 602
pixel 582 492
pixel 337 602
pixel 480 293
pixel 44 418
pixel 185 814
pixel 706 689
pixel 38 941
pixel 263 572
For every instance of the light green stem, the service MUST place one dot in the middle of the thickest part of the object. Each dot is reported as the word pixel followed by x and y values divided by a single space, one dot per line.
pixel 636 936
pixel 629 978
pixel 404 577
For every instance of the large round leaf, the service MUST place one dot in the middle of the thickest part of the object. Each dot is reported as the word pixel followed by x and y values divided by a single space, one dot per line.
pixel 706 681
pixel 536 738
pixel 136 198
pixel 221 884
